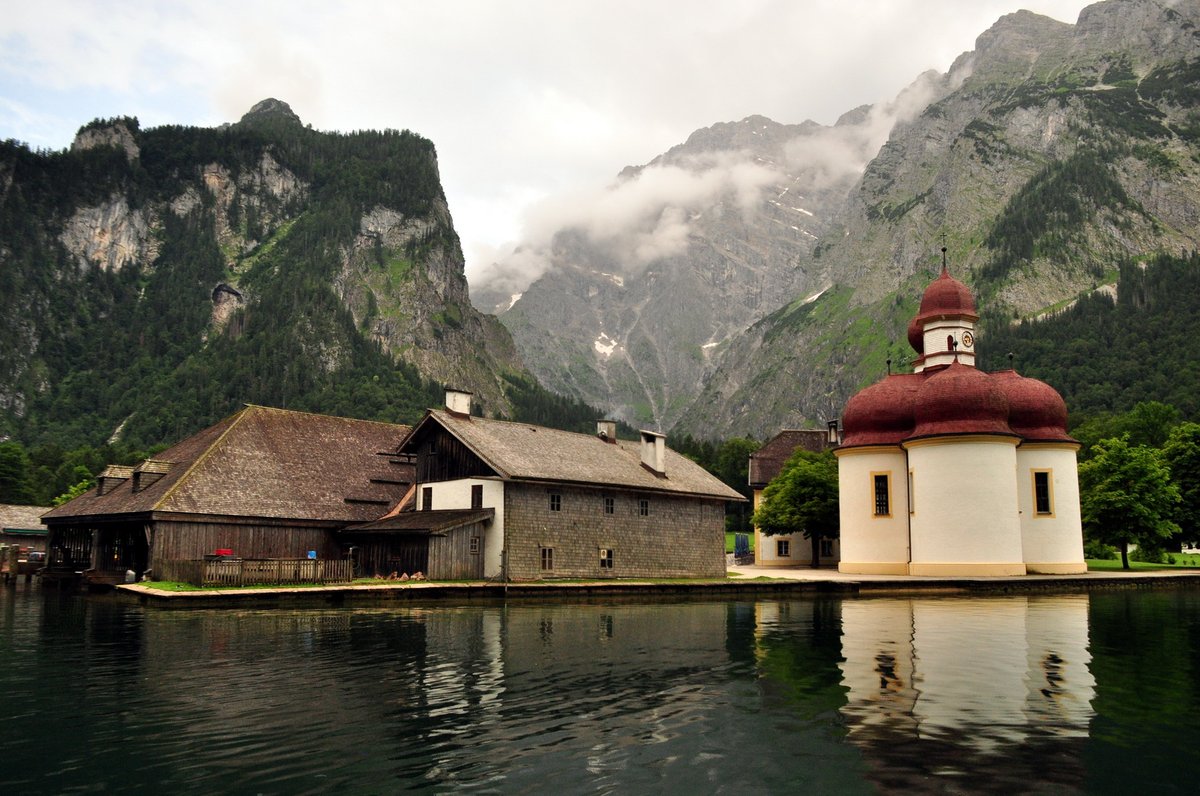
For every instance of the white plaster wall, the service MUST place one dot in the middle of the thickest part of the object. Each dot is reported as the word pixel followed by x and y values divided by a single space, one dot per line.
pixel 965 502
pixel 457 495
pixel 1056 541
pixel 765 548
pixel 866 539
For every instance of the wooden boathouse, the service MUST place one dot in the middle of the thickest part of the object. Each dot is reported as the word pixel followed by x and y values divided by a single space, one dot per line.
pixel 263 483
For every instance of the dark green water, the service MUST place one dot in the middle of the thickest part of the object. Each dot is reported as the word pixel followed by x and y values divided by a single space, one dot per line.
pixel 1046 694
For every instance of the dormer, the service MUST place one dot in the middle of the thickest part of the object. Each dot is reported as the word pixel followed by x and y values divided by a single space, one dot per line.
pixel 148 472
pixel 112 477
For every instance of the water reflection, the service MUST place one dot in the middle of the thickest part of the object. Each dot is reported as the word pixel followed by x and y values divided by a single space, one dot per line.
pixel 994 693
pixel 823 695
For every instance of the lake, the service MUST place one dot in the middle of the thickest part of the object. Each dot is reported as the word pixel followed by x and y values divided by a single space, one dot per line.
pixel 1042 693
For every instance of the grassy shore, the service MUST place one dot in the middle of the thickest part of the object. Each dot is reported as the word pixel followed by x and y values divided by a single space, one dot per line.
pixel 1183 562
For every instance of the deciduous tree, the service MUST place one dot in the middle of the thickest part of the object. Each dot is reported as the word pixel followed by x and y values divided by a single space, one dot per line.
pixel 1127 496
pixel 1182 453
pixel 802 499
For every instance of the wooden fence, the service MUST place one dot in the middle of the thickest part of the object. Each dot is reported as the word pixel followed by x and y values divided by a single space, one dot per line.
pixel 257 571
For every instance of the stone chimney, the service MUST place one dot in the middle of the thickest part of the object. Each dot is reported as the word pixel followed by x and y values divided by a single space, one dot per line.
pixel 607 430
pixel 458 401
pixel 654 452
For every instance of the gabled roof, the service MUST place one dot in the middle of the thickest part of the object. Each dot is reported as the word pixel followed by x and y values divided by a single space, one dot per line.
pixel 768 461
pixel 21 518
pixel 264 462
pixel 523 452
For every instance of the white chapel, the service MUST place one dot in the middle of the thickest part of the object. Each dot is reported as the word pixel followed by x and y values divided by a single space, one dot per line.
pixel 953 471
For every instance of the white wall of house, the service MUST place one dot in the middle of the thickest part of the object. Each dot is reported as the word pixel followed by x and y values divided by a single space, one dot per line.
pixel 457 495
pixel 873 544
pixel 1052 543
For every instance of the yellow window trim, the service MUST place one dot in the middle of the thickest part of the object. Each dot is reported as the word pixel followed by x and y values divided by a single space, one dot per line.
pixel 1033 474
pixel 888 475
pixel 912 501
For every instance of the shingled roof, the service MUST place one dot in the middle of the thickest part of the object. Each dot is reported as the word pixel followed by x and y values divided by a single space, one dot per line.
pixel 768 461
pixel 523 452
pixel 21 518
pixel 264 462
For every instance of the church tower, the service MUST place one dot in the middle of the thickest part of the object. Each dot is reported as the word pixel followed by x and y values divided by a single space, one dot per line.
pixel 944 329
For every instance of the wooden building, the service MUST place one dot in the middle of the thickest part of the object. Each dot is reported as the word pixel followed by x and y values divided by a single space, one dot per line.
pixel 565 504
pixel 262 483
pixel 22 526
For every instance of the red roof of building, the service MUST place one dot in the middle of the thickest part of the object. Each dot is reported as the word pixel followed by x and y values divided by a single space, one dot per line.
pixel 953 399
pixel 947 297
pixel 958 399
pixel 882 414
pixel 1036 410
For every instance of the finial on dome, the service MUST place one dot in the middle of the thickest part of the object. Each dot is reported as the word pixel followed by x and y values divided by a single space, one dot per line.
pixel 1010 360
pixel 945 269
pixel 889 361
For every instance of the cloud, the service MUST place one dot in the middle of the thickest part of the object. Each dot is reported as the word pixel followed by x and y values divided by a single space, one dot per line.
pixel 522 101
pixel 635 221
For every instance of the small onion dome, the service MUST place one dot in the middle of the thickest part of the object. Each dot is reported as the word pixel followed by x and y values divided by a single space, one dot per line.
pixel 1035 409
pixel 916 335
pixel 882 414
pixel 959 399
pixel 945 297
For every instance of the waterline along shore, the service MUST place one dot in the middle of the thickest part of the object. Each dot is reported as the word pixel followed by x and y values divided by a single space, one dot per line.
pixel 748 580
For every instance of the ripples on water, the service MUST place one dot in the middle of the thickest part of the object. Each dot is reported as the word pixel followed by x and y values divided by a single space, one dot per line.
pixel 943 695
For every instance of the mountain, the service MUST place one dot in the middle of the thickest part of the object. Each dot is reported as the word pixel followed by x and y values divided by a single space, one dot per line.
pixel 719 232
pixel 1042 160
pixel 154 280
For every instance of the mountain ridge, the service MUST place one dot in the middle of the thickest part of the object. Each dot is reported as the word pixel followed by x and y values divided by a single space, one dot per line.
pixel 1043 157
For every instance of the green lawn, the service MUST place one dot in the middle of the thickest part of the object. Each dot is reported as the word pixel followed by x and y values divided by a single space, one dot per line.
pixel 1182 562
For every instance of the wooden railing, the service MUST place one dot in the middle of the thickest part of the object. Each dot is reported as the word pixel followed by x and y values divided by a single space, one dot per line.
pixel 257 571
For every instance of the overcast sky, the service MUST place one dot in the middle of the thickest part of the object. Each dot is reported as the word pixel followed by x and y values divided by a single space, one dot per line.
pixel 525 100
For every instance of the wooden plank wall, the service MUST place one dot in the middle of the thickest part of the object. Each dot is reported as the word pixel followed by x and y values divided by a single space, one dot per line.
pixel 182 541
pixel 450 556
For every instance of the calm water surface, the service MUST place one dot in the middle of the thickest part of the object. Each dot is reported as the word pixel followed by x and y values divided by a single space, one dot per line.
pixel 1047 694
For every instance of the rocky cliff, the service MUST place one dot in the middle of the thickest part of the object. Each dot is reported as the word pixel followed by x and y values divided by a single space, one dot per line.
pixel 154 279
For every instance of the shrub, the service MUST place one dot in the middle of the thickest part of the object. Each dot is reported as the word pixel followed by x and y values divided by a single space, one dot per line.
pixel 1147 555
pixel 1099 550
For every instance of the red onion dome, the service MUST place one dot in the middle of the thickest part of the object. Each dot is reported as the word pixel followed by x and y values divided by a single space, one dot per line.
pixel 1036 411
pixel 946 297
pixel 882 414
pixel 959 399
pixel 916 335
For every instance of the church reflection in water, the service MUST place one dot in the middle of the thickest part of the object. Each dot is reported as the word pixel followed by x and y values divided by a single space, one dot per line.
pixel 997 687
